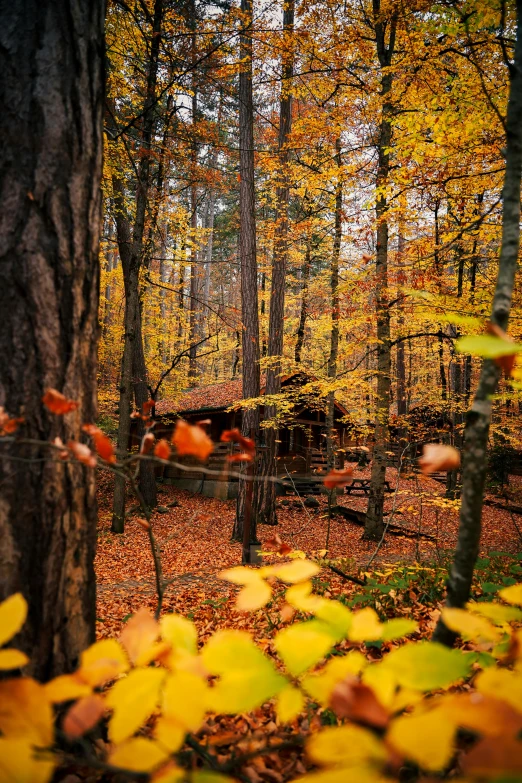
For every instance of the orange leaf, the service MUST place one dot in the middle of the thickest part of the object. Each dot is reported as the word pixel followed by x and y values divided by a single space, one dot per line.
pixel 190 439
pixel 83 716
pixel 145 524
pixel 356 701
pixel 242 457
pixel 436 456
pixel 102 444
pixel 337 478
pixel 82 453
pixel 277 544
pixel 162 449
pixel 234 436
pixel 139 634
pixel 57 403
pixel 7 425
pixel 147 443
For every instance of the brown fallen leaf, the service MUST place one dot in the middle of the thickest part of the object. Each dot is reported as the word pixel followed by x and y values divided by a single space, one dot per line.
pixel 356 701
pixel 83 716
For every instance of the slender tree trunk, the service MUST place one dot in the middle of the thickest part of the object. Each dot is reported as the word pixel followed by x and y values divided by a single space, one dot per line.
pixel 478 418
pixel 305 279
pixel 334 294
pixel 402 407
pixel 267 505
pixel 51 91
pixel 374 526
pixel 132 255
pixel 248 264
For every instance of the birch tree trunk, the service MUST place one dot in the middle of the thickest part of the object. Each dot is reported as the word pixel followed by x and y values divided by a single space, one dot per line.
pixel 474 457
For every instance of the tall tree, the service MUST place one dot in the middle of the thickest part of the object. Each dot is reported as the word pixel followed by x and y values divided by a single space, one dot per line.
pixel 385 32
pixel 267 506
pixel 50 163
pixel 131 243
pixel 248 264
pixel 478 421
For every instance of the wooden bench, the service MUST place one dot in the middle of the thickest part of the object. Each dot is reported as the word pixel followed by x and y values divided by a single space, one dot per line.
pixel 362 486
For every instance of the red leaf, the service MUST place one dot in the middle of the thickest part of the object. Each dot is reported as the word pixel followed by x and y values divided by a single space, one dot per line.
pixel 337 478
pixel 234 436
pixel 190 439
pixel 57 403
pixel 83 716
pixel 436 456
pixel 356 701
pixel 162 449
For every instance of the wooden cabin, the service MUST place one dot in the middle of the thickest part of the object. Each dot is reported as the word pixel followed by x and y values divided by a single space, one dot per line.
pixel 301 440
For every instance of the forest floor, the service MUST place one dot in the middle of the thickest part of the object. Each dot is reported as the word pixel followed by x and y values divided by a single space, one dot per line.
pixel 194 538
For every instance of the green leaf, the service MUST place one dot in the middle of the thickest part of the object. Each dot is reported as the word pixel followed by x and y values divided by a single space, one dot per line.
pixel 302 645
pixel 396 628
pixel 426 665
pixel 487 345
pixel 497 613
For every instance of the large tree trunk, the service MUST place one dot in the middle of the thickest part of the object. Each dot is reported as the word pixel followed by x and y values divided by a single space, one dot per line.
pixel 50 162
pixel 474 465
pixel 248 264
pixel 268 469
pixel 374 526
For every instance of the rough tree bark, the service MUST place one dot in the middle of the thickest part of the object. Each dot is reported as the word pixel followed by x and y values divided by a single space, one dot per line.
pixel 305 280
pixel 51 91
pixel 374 526
pixel 247 260
pixel 268 468
pixel 474 462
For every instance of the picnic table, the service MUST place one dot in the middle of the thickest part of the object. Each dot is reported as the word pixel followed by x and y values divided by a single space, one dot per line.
pixel 362 486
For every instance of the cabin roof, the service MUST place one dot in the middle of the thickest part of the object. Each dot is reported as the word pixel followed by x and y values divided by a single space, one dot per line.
pixel 216 397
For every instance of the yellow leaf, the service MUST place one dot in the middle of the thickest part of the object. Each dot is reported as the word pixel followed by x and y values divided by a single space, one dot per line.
pixel 345 745
pixel 296 571
pixel 206 776
pixel 321 685
pixel 511 594
pixel 469 626
pixel 20 763
pixel 501 684
pixel 169 733
pixel 300 597
pixel 482 713
pixel 138 754
pixel 13 612
pixel 185 699
pixel 139 635
pixel 290 703
pixel 12 659
pixel 352 774
pixel 66 687
pixel 426 666
pixel 102 661
pixel 170 773
pixel 424 738
pixel 241 575
pixel 383 683
pixel 254 596
pixel 365 626
pixel 179 632
pixel 25 711
pixel 133 699
pixel 302 645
